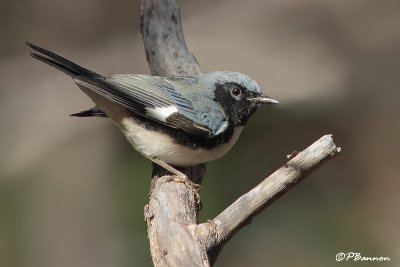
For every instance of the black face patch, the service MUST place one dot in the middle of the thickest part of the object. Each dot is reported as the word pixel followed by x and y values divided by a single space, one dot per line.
pixel 234 99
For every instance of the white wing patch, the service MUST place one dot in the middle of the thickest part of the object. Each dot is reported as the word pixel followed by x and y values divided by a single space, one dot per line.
pixel 162 113
pixel 222 128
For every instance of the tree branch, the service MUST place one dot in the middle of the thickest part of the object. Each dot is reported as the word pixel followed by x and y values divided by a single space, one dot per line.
pixel 172 206
pixel 165 47
pixel 222 228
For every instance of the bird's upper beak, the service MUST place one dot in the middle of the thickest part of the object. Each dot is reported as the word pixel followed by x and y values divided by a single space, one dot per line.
pixel 264 100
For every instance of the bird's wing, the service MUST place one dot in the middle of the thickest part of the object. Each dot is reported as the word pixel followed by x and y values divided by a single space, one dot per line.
pixel 160 101
pixel 154 98
pixel 149 96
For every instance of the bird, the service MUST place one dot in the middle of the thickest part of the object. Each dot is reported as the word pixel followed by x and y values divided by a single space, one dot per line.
pixel 176 122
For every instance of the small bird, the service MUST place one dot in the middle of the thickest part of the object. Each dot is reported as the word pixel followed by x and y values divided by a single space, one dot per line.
pixel 176 121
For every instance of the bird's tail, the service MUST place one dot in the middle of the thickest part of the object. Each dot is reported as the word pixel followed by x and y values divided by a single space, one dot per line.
pixel 75 71
pixel 60 63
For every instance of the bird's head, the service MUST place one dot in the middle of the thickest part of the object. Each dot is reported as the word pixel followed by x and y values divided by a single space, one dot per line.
pixel 238 94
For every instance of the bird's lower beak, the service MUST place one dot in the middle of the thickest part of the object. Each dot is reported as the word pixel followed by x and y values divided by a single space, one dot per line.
pixel 264 100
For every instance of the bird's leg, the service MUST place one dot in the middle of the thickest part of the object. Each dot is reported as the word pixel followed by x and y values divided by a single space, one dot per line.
pixel 179 177
pixel 169 168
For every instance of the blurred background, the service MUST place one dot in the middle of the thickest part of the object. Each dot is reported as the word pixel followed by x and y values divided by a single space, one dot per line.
pixel 72 190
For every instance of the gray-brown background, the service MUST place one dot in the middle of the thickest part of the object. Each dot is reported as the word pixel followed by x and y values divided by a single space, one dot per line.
pixel 72 191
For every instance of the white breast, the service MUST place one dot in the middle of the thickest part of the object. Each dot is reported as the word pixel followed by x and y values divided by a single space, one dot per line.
pixel 154 144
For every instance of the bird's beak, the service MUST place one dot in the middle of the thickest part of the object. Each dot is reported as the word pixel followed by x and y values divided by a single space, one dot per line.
pixel 264 100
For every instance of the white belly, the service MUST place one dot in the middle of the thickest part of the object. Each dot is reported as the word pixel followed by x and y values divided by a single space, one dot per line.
pixel 155 144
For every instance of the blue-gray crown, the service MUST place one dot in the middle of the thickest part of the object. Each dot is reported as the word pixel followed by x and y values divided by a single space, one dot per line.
pixel 209 79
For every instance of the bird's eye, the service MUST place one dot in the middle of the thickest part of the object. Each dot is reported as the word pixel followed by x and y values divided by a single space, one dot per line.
pixel 236 92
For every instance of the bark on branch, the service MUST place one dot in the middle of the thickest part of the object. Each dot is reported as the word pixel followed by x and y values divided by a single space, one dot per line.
pixel 164 44
pixel 176 238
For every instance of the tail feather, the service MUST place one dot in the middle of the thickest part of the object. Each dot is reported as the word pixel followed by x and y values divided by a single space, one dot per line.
pixel 92 112
pixel 60 63
pixel 71 69
pixel 55 64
